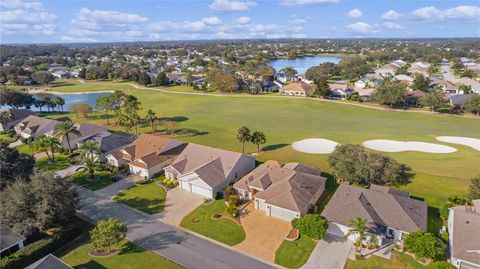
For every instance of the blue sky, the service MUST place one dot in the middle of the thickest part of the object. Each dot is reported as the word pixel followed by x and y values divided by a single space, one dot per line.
pixel 65 21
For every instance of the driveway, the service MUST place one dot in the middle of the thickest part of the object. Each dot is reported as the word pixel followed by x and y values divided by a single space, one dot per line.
pixel 178 204
pixel 188 250
pixel 111 190
pixel 263 234
pixel 67 171
pixel 329 253
pixel 447 72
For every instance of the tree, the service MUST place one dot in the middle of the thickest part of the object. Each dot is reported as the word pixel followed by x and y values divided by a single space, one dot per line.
pixel 472 105
pixel 5 116
pixel 434 99
pixel 358 226
pixel 289 71
pixel 42 77
pixel 354 67
pixel 14 165
pixel 311 225
pixel 144 79
pixel 90 164
pixel 353 164
pixel 474 188
pixel 468 73
pixel 17 208
pixel 424 245
pixel 104 103
pixel 243 135
pixel 90 147
pixel 162 79
pixel 170 126
pixel 421 83
pixel 323 89
pixel 465 88
pixel 324 70
pixel 47 144
pixel 64 129
pixel 82 73
pixel 151 118
pixel 59 101
pixel 258 138
pixel 222 80
pixel 390 93
pixel 16 98
pixel 82 109
pixel 107 234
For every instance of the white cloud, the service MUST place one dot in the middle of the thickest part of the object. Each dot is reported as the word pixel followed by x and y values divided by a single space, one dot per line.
pixel 212 20
pixel 306 2
pixel 19 4
pixel 28 22
pixel 457 13
pixel 392 25
pixel 243 20
pixel 363 28
pixel 427 13
pixel 231 5
pixel 391 15
pixel 297 21
pixel 355 13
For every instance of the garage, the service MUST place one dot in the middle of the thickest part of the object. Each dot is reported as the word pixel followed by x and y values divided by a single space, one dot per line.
pixel 339 230
pixel 201 190
pixel 282 213
pixel 260 204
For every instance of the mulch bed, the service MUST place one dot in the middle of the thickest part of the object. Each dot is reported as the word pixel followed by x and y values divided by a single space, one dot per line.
pixel 104 253
pixel 292 235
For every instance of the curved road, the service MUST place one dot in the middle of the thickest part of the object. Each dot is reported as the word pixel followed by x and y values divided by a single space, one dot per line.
pixel 171 242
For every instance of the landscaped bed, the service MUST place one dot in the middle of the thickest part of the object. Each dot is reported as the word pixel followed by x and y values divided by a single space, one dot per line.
pixel 222 229
pixel 398 261
pixel 294 254
pixel 147 197
pixel 102 179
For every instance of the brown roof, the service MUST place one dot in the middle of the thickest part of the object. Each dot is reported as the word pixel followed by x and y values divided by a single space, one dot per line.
pixel 380 206
pixel 390 66
pixel 466 234
pixel 299 87
pixel 161 156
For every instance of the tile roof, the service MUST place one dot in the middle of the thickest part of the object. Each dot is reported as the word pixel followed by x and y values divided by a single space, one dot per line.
pixel 466 234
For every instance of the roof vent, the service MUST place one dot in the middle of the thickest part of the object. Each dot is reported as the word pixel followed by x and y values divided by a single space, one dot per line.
pixel 467 222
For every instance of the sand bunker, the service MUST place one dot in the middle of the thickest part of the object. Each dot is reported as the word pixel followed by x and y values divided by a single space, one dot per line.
pixel 474 143
pixel 315 146
pixel 399 146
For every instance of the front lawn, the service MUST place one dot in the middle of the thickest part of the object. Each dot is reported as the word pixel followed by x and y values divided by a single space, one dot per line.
pixel 5 138
pixel 223 230
pixel 294 254
pixel 102 179
pixel 398 261
pixel 61 162
pixel 26 149
pixel 149 197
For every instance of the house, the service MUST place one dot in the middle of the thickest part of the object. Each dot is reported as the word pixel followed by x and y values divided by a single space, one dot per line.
pixel 387 70
pixel 16 115
pixel 108 142
pixel 414 97
pixel 10 241
pixel 281 76
pixel 60 74
pixel 177 78
pixel 340 90
pixel 456 101
pixel 365 95
pixel 390 213
pixel 49 262
pixel 298 89
pixel 206 171
pixel 35 126
pixel 413 70
pixel 286 192
pixel 147 155
pixel 86 131
pixel 361 83
pixel 403 78
pixel 464 236
pixel 469 82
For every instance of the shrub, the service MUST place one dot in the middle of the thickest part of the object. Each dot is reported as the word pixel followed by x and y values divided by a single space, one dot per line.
pixel 107 234
pixel 311 225
pixel 424 245
pixel 232 211
pixel 234 200
pixel 11 133
pixel 229 190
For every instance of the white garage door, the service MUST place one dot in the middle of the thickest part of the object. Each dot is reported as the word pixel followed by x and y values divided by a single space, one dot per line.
pixel 260 205
pixel 201 190
pixel 184 185
pixel 280 213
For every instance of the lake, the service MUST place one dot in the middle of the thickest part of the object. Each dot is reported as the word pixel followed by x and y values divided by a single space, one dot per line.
pixel 70 99
pixel 301 64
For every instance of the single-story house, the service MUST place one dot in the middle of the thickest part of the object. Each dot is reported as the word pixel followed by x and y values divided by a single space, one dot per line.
pixel 86 130
pixel 10 241
pixel 403 78
pixel 365 95
pixel 457 101
pixel 464 236
pixel 32 126
pixel 387 70
pixel 147 155
pixel 206 171
pixel 49 262
pixel 109 142
pixel 413 97
pixel 390 213
pixel 361 83
pixel 298 89
pixel 286 192
pixel 340 90
pixel 178 78
pixel 469 82
pixel 16 115
pixel 417 70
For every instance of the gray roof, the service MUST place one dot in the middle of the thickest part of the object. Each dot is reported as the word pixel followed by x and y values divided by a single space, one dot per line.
pixel 459 99
pixel 9 238
pixel 112 140
pixel 18 114
pixel 34 125
pixel 465 234
pixel 380 206
pixel 49 262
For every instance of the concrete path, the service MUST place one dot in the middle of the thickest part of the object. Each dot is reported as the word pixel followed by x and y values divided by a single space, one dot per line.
pixel 329 253
pixel 178 204
pixel 184 248
pixel 111 190
pixel 16 143
pixel 67 171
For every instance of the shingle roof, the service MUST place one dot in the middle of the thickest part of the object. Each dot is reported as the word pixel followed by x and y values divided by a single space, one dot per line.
pixel 466 234
pixel 8 237
pixel 17 114
pixel 115 140
pixel 48 262
pixel 380 206
pixel 299 86
pixel 36 126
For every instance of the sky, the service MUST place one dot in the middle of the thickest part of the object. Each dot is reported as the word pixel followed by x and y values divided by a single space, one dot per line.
pixel 68 21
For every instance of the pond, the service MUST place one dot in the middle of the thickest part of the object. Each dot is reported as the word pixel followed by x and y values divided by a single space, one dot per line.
pixel 70 99
pixel 301 64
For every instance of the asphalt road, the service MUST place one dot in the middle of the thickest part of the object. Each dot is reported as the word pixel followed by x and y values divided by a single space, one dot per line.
pixel 447 72
pixel 169 241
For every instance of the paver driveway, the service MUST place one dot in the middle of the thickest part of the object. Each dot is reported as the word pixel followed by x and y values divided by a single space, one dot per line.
pixel 178 204
pixel 263 234
pixel 329 253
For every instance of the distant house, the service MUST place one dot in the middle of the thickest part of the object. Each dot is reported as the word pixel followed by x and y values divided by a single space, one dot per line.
pixel 413 70
pixel 469 82
pixel 298 89
pixel 32 126
pixel 206 171
pixel 387 70
pixel 10 241
pixel 403 78
pixel 108 142
pixel 391 214
pixel 286 192
pixel 49 262
pixel 16 115
pixel 365 95
pixel 361 83
pixel 457 101
pixel 413 98
pixel 61 74
pixel 464 236
pixel 340 90
pixel 178 78
pixel 281 76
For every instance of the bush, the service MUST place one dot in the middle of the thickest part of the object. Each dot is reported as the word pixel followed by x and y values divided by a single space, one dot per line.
pixel 229 190
pixel 442 265
pixel 232 211
pixel 311 225
pixel 424 245
pixel 11 133
pixel 234 200
pixel 40 248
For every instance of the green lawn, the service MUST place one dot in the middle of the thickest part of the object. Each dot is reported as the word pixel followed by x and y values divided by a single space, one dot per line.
pixel 61 162
pixel 102 179
pixel 294 254
pixel 5 138
pixel 398 261
pixel 26 149
pixel 149 197
pixel 220 229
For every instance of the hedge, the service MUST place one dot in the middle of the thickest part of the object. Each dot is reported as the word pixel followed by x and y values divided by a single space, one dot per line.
pixel 37 250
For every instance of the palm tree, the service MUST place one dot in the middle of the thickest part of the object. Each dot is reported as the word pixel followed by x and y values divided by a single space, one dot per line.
pixel 60 102
pixel 151 117
pixel 258 138
pixel 359 226
pixel 5 116
pixel 46 144
pixel 90 147
pixel 243 135
pixel 91 164
pixel 64 129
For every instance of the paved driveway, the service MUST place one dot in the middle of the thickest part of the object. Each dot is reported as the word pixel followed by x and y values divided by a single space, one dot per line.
pixel 263 234
pixel 67 171
pixel 171 242
pixel 329 253
pixel 178 204
pixel 111 190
